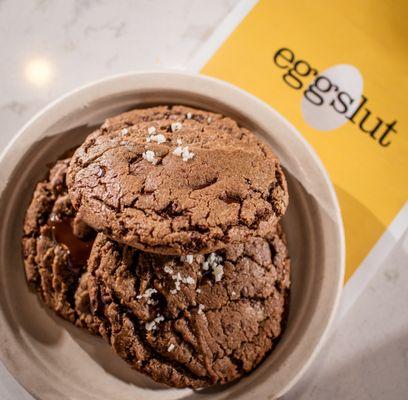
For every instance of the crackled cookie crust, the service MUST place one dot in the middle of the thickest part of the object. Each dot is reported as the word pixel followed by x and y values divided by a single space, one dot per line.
pixel 192 321
pixel 56 245
pixel 175 180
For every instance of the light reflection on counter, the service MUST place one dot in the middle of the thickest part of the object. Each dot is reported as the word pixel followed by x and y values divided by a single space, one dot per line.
pixel 39 71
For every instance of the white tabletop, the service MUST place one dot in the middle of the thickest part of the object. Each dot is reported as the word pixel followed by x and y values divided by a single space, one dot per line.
pixel 50 47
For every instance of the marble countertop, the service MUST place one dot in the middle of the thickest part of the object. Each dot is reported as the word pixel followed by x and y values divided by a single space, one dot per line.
pixel 50 47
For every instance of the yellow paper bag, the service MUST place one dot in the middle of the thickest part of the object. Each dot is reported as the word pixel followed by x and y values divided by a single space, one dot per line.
pixel 339 72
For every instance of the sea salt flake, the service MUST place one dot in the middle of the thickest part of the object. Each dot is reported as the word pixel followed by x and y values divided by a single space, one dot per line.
pixel 187 155
pixel 159 318
pixel 149 156
pixel 218 272
pixel 147 294
pixel 54 217
pixel 124 132
pixel 149 326
pixel 209 119
pixel 189 258
pixel 151 130
pixel 168 270
pixel 160 138
pixel 189 280
pixel 214 261
pixel 152 325
pixel 198 290
pixel 189 115
pixel 178 151
pixel 178 279
pixel 179 142
pixel 201 309
pixel 184 152
pixel 171 347
pixel 130 147
pixel 176 126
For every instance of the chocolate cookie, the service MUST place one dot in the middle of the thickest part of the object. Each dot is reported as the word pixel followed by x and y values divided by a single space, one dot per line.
pixel 191 321
pixel 56 247
pixel 175 180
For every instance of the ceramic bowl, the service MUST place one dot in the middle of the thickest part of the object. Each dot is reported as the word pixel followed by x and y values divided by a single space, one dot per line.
pixel 53 359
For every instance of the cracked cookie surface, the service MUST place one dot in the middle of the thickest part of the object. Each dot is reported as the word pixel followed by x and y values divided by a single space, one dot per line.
pixel 56 246
pixel 175 180
pixel 191 321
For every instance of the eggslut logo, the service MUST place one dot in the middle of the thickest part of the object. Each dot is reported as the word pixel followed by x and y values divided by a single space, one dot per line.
pixel 334 97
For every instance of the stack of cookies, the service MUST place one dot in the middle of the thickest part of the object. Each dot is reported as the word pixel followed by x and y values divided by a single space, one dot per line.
pixel 161 234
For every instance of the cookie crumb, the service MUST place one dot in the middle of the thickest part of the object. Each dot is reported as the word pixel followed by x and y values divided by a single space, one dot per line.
pixel 176 126
pixel 209 120
pixel 151 130
pixel 124 132
pixel 189 258
pixel 149 156
pixel 171 347
pixel 179 142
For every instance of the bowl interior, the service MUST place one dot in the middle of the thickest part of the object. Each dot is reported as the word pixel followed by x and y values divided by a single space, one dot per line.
pixel 51 358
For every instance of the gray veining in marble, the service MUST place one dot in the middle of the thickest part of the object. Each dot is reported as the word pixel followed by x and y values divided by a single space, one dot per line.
pixel 84 40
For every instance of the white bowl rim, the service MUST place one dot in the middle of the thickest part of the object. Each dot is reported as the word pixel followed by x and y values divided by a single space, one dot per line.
pixel 183 77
